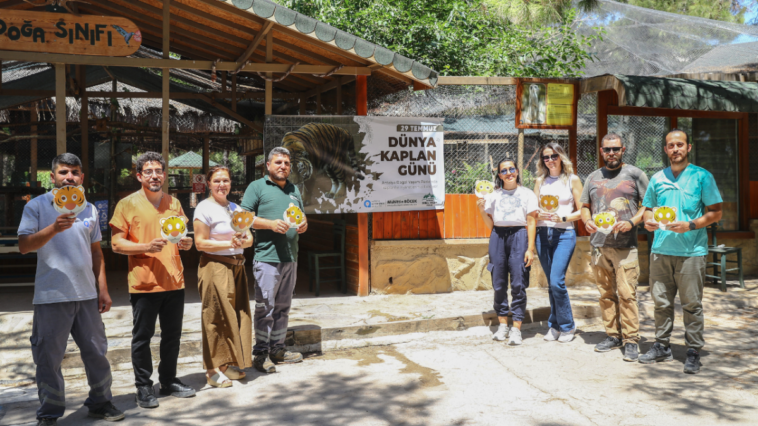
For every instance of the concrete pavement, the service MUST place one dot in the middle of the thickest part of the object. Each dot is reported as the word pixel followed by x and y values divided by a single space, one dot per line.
pixel 464 378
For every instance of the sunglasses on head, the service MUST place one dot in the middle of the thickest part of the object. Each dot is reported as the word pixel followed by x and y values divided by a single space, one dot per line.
pixel 506 171
pixel 552 157
pixel 613 149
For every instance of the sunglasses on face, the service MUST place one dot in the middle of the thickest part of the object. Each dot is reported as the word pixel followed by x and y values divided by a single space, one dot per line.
pixel 614 149
pixel 506 171
pixel 547 158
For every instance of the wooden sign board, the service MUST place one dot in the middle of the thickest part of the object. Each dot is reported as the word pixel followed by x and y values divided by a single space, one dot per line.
pixel 64 33
pixel 546 103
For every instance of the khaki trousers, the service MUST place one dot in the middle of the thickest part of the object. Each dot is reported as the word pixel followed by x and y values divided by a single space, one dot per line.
pixel 616 274
pixel 227 326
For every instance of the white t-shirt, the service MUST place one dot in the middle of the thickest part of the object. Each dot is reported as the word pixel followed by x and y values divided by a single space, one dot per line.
pixel 219 219
pixel 510 208
pixel 554 185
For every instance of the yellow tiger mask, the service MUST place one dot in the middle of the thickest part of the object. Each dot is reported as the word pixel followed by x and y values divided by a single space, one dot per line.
pixel 69 200
pixel 241 220
pixel 483 187
pixel 605 221
pixel 664 216
pixel 294 216
pixel 549 203
pixel 173 229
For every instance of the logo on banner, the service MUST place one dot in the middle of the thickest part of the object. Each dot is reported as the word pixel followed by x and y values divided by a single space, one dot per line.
pixel 367 204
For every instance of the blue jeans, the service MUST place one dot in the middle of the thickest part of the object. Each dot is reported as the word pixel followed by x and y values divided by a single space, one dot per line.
pixel 555 246
pixel 507 248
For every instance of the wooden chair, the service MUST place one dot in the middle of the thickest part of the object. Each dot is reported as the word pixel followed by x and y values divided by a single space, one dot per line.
pixel 314 261
pixel 719 262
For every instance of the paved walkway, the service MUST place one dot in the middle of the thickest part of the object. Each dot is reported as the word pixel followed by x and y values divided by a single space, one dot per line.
pixel 461 378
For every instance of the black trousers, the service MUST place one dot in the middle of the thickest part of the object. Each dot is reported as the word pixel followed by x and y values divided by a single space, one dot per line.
pixel 168 307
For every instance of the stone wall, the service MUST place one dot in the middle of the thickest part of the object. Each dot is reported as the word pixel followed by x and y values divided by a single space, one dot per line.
pixel 443 266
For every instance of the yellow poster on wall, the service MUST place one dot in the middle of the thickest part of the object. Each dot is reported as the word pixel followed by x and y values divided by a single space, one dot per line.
pixel 560 104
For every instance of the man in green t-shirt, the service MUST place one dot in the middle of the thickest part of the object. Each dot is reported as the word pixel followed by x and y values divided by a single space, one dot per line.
pixel 275 262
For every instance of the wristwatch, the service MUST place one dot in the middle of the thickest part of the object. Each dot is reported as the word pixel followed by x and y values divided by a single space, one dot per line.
pixel 563 219
pixel 692 226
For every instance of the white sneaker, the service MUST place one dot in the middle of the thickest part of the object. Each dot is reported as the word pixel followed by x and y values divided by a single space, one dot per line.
pixel 515 337
pixel 501 333
pixel 567 336
pixel 551 335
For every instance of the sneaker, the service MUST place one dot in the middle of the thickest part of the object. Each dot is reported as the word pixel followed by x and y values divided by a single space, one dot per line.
pixel 608 344
pixel 551 335
pixel 107 412
pixel 283 356
pixel 656 353
pixel 177 389
pixel 631 352
pixel 263 363
pixel 146 397
pixel 45 421
pixel 567 336
pixel 693 364
pixel 501 333
pixel 515 336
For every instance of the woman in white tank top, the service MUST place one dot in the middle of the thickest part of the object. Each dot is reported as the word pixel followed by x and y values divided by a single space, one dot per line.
pixel 558 190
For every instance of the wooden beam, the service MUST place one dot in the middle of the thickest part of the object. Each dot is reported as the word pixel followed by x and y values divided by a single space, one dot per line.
pixel 234 92
pixel 361 107
pixel 84 123
pixel 166 84
pixel 743 149
pixel 224 75
pixel 172 63
pixel 492 81
pixel 303 100
pixel 269 85
pixel 254 44
pixel 60 108
pixel 33 148
pixel 319 108
pixel 361 95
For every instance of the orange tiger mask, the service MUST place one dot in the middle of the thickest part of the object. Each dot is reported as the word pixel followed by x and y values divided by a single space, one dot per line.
pixel 69 200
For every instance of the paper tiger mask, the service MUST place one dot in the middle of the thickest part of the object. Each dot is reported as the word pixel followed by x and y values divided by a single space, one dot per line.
pixel 483 187
pixel 173 229
pixel 664 216
pixel 69 200
pixel 294 216
pixel 241 221
pixel 605 221
pixel 549 203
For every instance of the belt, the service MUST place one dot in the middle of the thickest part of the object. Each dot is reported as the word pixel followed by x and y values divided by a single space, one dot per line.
pixel 229 260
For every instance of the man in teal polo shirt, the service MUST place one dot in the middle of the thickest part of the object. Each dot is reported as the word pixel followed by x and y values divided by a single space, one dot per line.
pixel 275 262
pixel 677 258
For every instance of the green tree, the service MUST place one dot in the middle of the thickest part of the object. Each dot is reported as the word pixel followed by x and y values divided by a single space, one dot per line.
pixel 458 37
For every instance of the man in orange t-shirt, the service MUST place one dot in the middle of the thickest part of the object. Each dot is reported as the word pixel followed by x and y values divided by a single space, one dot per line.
pixel 156 278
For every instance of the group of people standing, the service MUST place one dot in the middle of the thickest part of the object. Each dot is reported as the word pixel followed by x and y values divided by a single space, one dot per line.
pixel 71 290
pixel 621 191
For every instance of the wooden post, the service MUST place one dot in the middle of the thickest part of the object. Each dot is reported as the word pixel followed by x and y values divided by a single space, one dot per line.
pixel 234 92
pixel 84 123
pixel 206 154
pixel 743 148
pixel 520 159
pixel 319 110
pixel 165 93
pixel 572 149
pixel 1 74
pixel 223 81
pixel 361 107
pixel 60 108
pixel 338 95
pixel 303 100
pixel 603 100
pixel 269 84
pixel 33 148
pixel 673 122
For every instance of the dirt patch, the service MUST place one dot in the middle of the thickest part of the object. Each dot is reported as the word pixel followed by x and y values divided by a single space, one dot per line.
pixel 390 318
pixel 428 377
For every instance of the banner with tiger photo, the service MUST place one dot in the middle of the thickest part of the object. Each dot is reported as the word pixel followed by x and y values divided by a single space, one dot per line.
pixel 349 164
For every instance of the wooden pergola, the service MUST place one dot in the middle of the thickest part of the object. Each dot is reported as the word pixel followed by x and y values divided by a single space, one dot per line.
pixel 293 57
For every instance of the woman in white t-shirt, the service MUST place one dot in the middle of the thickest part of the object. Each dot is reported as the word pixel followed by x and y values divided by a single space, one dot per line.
pixel 511 213
pixel 558 190
pixel 227 328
